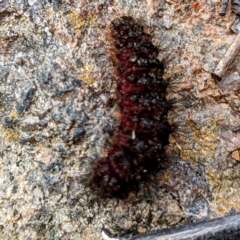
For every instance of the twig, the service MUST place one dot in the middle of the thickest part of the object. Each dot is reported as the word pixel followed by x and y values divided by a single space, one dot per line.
pixel 224 228
pixel 227 59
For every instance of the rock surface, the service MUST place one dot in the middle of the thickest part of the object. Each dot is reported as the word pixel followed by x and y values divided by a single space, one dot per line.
pixel 57 112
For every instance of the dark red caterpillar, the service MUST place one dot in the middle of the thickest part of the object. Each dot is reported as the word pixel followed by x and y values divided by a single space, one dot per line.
pixel 138 144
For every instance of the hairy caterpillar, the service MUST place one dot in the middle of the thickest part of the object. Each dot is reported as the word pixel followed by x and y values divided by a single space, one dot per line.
pixel 138 144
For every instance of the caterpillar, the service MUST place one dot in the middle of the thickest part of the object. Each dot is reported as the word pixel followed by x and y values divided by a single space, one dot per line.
pixel 138 144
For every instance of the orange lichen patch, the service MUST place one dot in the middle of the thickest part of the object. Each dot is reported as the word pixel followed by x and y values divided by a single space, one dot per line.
pixel 4 42
pixel 225 191
pixel 236 155
pixel 9 134
pixel 169 180
pixel 84 76
pixel 41 147
pixel 104 152
pixel 117 115
pixel 45 155
pixel 39 31
pixel 14 114
pixel 172 74
pixel 22 19
pixel 171 139
pixel 78 21
pixel 166 176
pixel 202 142
pixel 196 6
pixel 50 10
